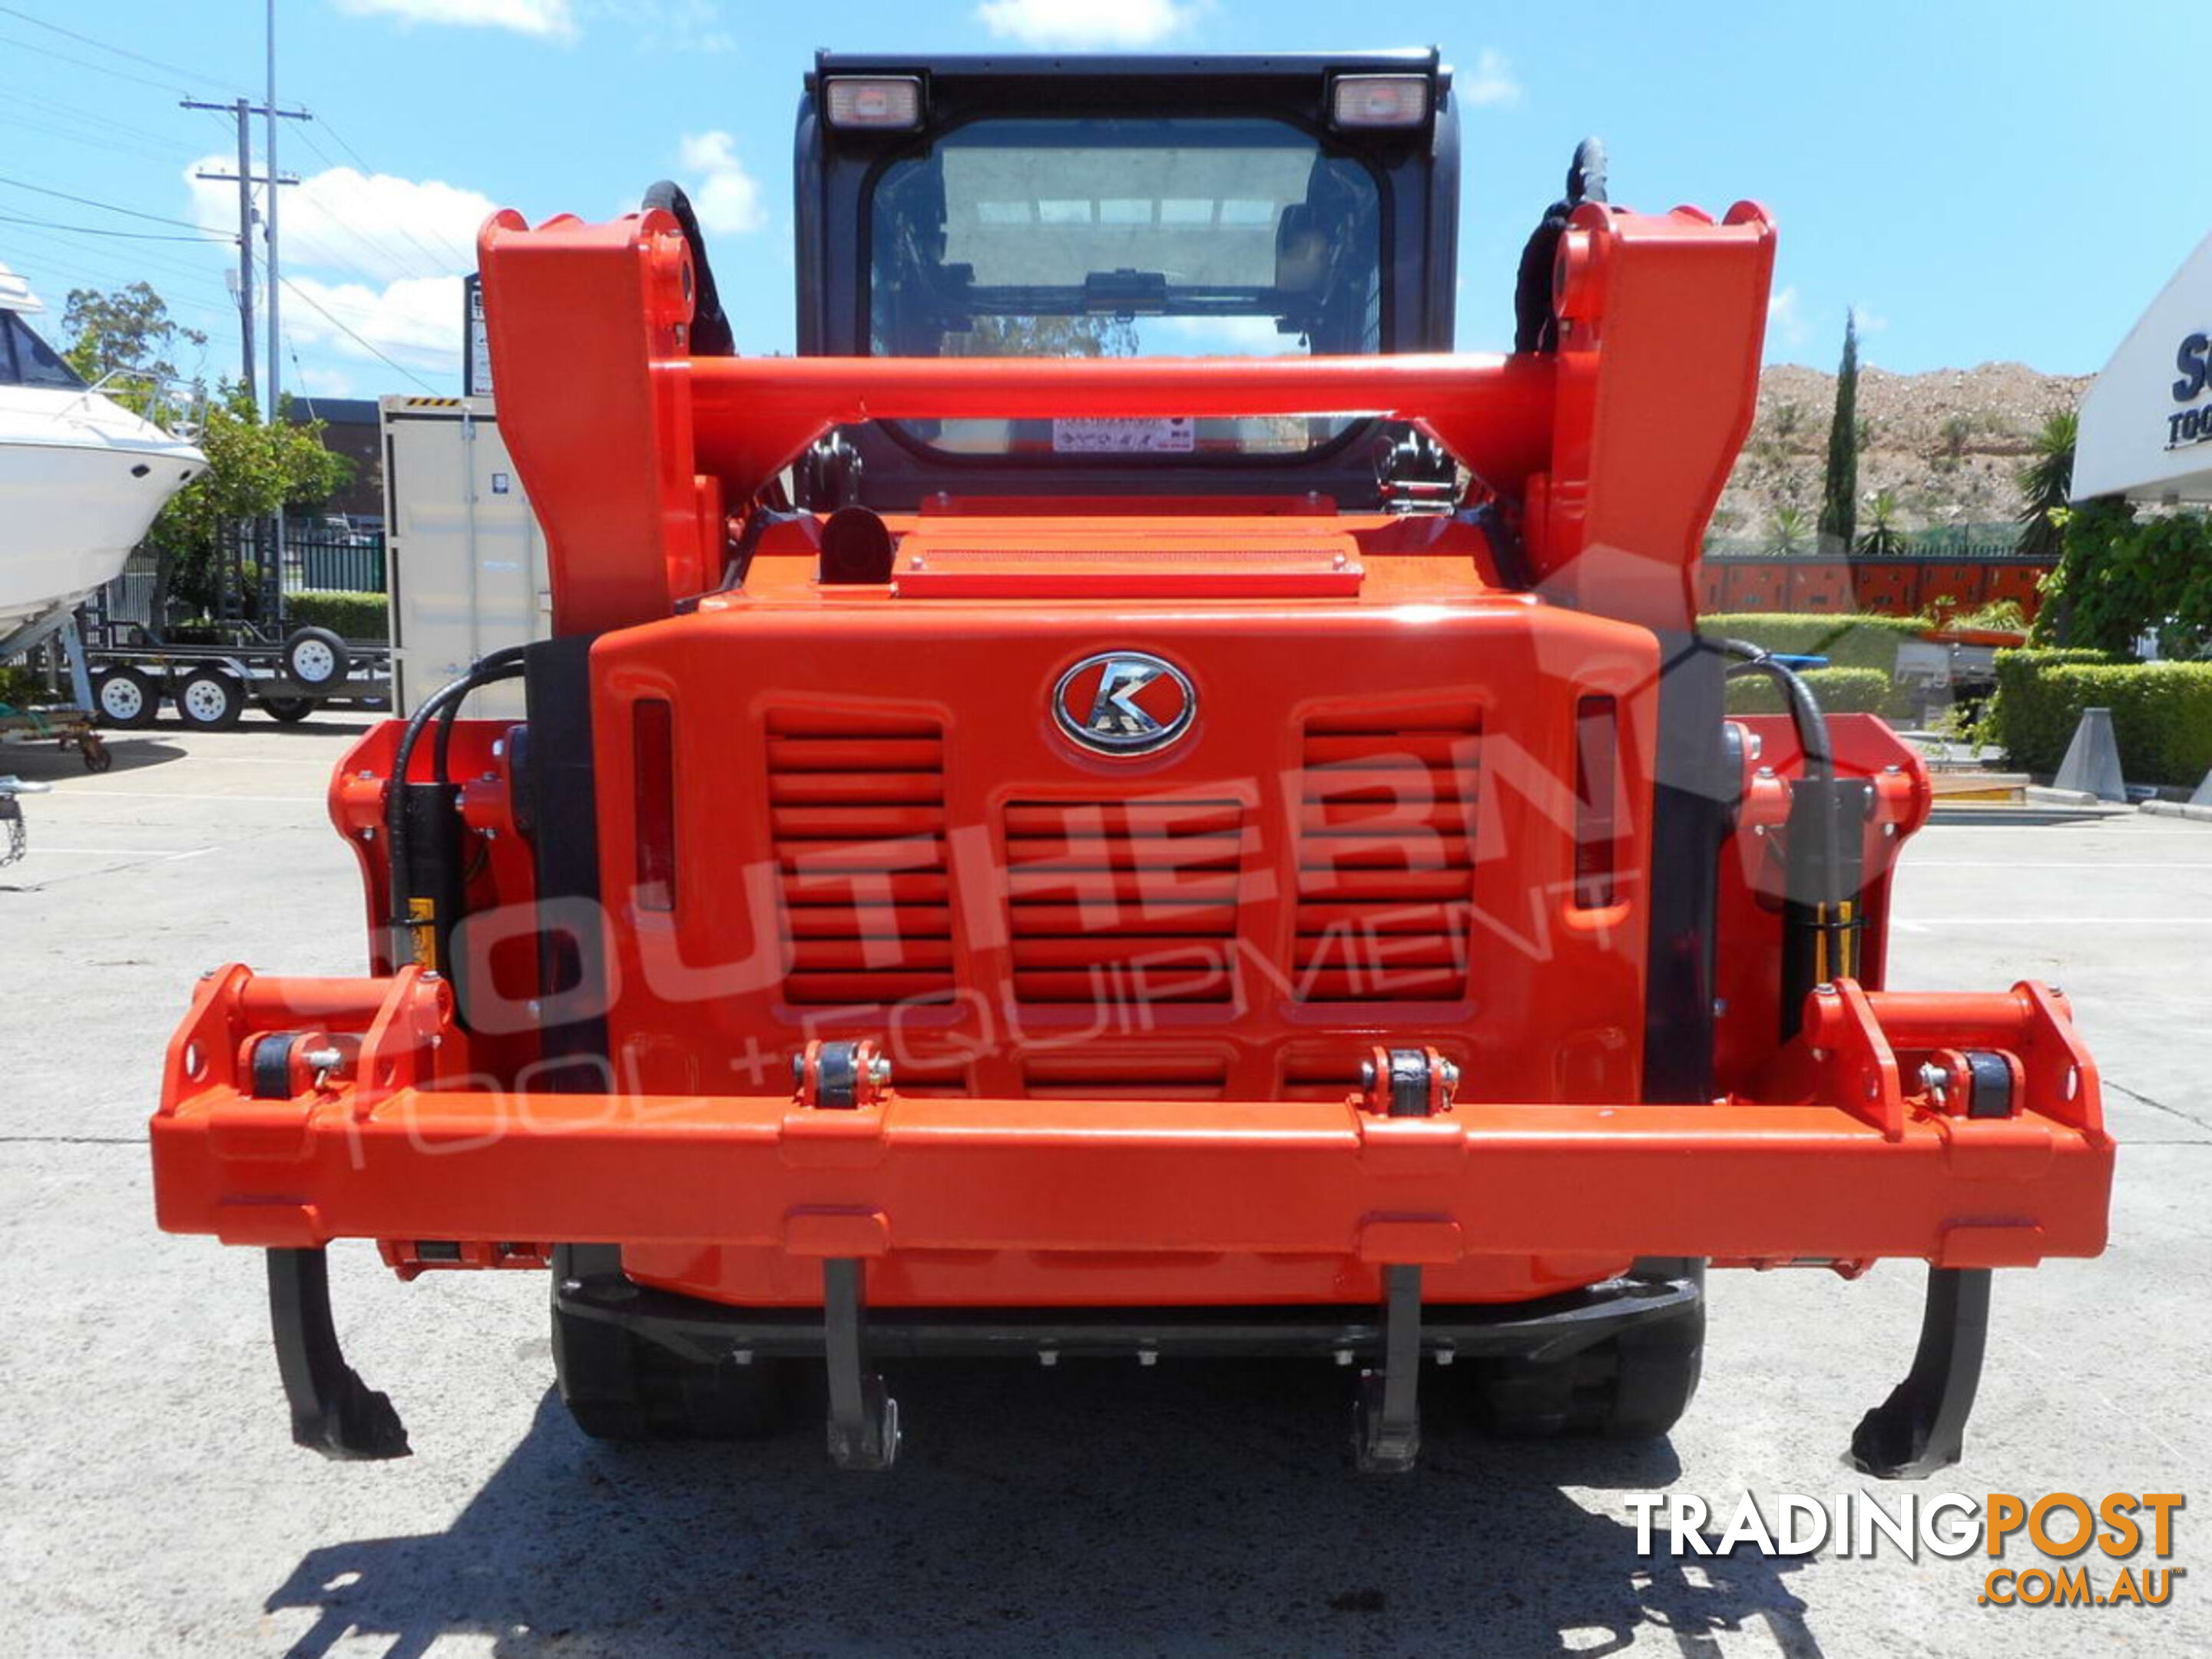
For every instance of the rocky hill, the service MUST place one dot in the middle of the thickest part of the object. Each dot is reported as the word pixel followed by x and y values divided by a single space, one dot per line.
pixel 1946 444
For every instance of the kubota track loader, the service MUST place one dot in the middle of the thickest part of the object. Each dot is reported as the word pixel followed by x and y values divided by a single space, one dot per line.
pixel 1126 803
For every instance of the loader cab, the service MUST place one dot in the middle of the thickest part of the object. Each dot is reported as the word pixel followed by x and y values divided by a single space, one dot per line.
pixel 1134 207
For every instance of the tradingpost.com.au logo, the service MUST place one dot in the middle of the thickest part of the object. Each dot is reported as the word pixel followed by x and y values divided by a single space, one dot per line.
pixel 2094 1544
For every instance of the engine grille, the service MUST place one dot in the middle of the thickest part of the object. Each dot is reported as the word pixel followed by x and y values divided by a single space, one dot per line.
pixel 857 810
pixel 1386 858
pixel 1121 901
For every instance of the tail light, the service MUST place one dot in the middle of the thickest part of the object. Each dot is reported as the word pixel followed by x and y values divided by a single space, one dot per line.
pixel 1597 766
pixel 653 763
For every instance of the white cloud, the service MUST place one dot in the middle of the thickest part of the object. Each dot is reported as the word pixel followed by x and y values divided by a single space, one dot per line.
pixel 415 322
pixel 1219 336
pixel 1870 321
pixel 726 198
pixel 318 382
pixel 373 227
pixel 547 19
pixel 1087 23
pixel 1785 322
pixel 1492 83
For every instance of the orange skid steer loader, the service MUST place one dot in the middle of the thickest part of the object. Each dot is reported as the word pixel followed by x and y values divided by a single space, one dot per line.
pixel 1128 802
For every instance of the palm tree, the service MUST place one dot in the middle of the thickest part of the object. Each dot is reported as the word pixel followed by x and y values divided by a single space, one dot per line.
pixel 1791 528
pixel 2047 482
pixel 1883 538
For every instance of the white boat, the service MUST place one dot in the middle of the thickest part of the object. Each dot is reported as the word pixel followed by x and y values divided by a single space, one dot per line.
pixel 81 476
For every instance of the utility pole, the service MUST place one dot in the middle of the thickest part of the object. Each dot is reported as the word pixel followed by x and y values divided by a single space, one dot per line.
pixel 272 567
pixel 275 346
pixel 245 179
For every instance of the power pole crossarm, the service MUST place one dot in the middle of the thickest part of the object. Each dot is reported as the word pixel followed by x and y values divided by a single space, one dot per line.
pixel 240 111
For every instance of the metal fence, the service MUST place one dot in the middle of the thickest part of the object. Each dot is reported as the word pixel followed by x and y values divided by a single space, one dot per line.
pixel 325 558
pixel 1963 544
pixel 318 557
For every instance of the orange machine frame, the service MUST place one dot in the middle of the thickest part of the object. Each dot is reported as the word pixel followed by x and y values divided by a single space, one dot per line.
pixel 959 1179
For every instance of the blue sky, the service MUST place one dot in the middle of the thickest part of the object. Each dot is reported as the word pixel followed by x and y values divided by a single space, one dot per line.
pixel 1983 181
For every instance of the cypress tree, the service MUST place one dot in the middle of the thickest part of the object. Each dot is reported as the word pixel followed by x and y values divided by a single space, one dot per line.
pixel 1839 494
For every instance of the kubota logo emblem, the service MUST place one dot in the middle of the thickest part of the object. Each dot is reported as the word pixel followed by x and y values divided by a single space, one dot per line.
pixel 1124 703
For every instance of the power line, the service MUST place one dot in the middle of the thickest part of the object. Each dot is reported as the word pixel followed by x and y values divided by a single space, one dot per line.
pixel 91 118
pixel 126 235
pixel 465 260
pixel 102 46
pixel 441 264
pixel 97 69
pixel 106 207
pixel 91 137
pixel 342 328
pixel 93 266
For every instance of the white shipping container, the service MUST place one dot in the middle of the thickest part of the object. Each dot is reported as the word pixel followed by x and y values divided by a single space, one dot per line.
pixel 466 556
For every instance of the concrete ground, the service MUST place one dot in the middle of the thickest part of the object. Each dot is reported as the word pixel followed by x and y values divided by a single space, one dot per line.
pixel 150 1501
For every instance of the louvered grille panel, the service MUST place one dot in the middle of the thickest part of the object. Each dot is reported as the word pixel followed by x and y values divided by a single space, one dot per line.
pixel 1386 858
pixel 1114 902
pixel 857 810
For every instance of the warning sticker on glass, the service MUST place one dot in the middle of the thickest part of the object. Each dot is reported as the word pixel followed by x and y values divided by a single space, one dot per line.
pixel 1110 435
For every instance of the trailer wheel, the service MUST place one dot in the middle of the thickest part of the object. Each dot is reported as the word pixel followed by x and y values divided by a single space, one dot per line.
pixel 291 710
pixel 1635 1386
pixel 211 700
pixel 618 1386
pixel 124 699
pixel 315 656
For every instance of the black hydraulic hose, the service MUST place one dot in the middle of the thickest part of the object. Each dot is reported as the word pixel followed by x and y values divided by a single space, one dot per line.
pixel 441 767
pixel 1828 917
pixel 1804 708
pixel 502 665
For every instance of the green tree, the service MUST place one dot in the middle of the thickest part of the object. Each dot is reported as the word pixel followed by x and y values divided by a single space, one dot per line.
pixel 1952 438
pixel 1789 532
pixel 1883 538
pixel 129 331
pixel 1839 494
pixel 1044 336
pixel 2119 576
pixel 2047 483
pixel 254 469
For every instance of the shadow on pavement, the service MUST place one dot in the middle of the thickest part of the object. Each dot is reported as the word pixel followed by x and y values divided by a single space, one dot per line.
pixel 1086 1509
pixel 49 763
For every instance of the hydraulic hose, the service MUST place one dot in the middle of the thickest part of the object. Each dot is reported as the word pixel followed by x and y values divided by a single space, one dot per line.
pixel 1820 923
pixel 441 705
pixel 1804 708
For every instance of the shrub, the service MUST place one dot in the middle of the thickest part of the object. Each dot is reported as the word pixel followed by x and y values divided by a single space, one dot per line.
pixel 2037 656
pixel 358 616
pixel 1840 691
pixel 1848 640
pixel 2162 712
